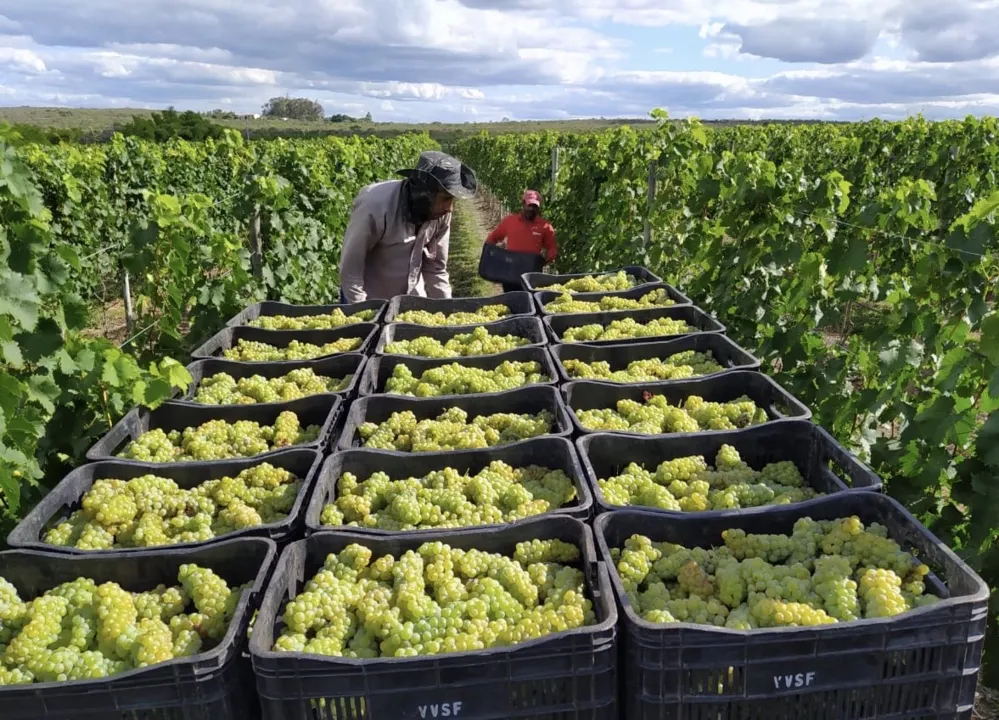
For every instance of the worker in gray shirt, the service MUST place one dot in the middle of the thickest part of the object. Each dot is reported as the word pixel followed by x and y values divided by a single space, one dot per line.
pixel 397 239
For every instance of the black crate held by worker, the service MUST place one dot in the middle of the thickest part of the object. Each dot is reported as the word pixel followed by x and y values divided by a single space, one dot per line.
pixel 544 297
pixel 66 497
pixel 319 410
pixel 778 403
pixel 641 276
pixel 528 328
pixel 696 319
pixel 550 452
pixel 566 674
pixel 516 303
pixel 723 351
pixel 270 308
pixel 824 464
pixel 363 334
pixel 500 265
pixel 528 400
pixel 213 685
pixel 337 367
pixel 921 664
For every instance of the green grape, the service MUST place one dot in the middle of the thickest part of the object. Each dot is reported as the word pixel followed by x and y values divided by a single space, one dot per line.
pixel 608 282
pixel 253 351
pixel 448 498
pixel 485 314
pixel 478 342
pixel 435 600
pixel 219 440
pixel 457 379
pixel 155 511
pixel 655 416
pixel 565 304
pixel 824 572
pixel 335 319
pixel 224 389
pixel 626 328
pixel 452 430
pixel 689 484
pixel 84 631
pixel 681 365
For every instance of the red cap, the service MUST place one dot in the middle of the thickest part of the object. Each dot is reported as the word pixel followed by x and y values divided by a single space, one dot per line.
pixel 532 197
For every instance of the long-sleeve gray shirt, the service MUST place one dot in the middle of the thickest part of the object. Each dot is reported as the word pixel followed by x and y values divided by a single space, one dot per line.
pixel 384 255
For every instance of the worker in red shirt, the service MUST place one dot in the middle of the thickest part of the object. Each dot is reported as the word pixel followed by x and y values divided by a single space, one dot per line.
pixel 526 232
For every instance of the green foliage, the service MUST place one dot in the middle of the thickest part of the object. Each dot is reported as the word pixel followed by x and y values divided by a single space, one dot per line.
pixel 163 126
pixel 858 260
pixel 294 108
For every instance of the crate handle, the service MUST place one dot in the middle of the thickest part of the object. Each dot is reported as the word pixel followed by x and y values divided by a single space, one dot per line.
pixel 774 412
pixel 856 473
pixel 117 435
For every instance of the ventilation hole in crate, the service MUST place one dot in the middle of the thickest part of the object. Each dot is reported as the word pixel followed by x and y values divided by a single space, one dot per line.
pixel 540 694
pixel 917 661
pixel 714 681
pixel 342 708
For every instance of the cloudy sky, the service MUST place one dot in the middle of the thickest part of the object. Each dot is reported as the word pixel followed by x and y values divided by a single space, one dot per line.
pixel 453 60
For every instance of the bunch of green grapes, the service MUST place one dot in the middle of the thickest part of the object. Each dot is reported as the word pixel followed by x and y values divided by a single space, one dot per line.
pixel 689 484
pixel 626 328
pixel 655 416
pixel 608 282
pixel 448 498
pixel 224 389
pixel 335 319
pixel 150 511
pixel 219 440
pixel 457 379
pixel 252 351
pixel 84 630
pixel 824 572
pixel 478 342
pixel 435 600
pixel 565 304
pixel 451 430
pixel 681 365
pixel 485 314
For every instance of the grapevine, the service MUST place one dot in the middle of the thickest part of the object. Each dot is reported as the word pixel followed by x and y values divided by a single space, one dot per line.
pixel 82 630
pixel 448 498
pixel 485 314
pixel 219 440
pixel 566 304
pixel 680 365
pixel 689 484
pixel 655 415
pixel 253 351
pixel 478 342
pixel 436 600
pixel 223 389
pixel 457 379
pixel 452 430
pixel 824 572
pixel 626 328
pixel 332 320
pixel 150 510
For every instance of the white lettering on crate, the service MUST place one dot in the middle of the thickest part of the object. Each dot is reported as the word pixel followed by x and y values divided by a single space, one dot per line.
pixel 440 710
pixel 798 680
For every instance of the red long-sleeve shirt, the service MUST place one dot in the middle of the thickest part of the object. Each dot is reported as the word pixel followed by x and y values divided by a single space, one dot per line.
pixel 526 236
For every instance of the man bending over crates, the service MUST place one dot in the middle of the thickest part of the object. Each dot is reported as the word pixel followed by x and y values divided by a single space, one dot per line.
pixel 526 232
pixel 397 238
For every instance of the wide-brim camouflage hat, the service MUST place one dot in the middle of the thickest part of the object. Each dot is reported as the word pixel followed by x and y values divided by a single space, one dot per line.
pixel 446 172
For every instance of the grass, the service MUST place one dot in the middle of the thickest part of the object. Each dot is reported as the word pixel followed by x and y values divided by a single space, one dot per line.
pixel 467 234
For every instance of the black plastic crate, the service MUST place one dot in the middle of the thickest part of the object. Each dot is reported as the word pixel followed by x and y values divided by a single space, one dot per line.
pixel 334 366
pixel 693 316
pixel 519 303
pixel 554 453
pixel 543 297
pixel 213 685
pixel 566 675
pixel 271 308
pixel 322 410
pixel 778 403
pixel 531 399
pixel 500 265
pixel 65 498
pixel 539 281
pixel 379 369
pixel 229 337
pixel 824 464
pixel 726 353
pixel 521 326
pixel 921 665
